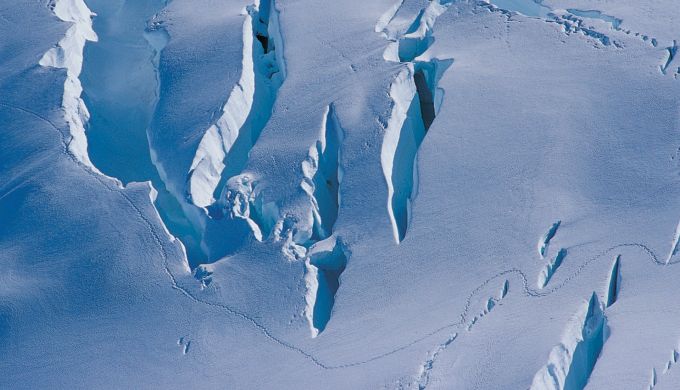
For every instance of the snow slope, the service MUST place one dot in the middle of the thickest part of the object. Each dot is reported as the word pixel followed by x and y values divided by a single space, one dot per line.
pixel 302 194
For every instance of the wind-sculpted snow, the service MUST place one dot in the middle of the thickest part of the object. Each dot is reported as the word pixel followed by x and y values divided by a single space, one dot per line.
pixel 339 194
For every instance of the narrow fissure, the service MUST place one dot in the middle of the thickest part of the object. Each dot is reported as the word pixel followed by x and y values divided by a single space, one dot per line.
pixel 325 264
pixel 264 42
pixel 327 257
pixel 416 100
pixel 547 237
pixel 328 176
pixel 672 51
pixel 550 268
pixel 614 282
pixel 418 119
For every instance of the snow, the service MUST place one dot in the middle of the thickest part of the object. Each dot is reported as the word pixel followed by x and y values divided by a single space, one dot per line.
pixel 301 194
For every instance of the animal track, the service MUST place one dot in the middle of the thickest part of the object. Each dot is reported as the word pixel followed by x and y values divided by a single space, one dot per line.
pixel 161 241
pixel 256 324
pixel 490 304
pixel 426 368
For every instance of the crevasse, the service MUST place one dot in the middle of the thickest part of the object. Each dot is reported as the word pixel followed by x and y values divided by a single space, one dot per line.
pixel 208 164
pixel 571 362
pixel 223 150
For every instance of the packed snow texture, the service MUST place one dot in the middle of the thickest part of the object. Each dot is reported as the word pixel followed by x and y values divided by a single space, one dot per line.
pixel 400 194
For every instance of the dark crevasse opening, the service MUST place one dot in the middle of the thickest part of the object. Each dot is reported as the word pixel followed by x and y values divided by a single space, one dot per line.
pixel 120 88
pixel 425 98
pixel 264 41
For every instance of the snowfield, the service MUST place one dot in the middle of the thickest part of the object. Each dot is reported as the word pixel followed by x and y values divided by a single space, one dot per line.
pixel 287 194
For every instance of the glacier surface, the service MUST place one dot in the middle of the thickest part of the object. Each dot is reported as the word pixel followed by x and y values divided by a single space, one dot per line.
pixel 398 194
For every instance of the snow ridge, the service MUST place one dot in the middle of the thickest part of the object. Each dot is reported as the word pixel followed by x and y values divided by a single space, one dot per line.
pixel 68 54
pixel 326 260
pixel 208 163
pixel 223 150
pixel 402 93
